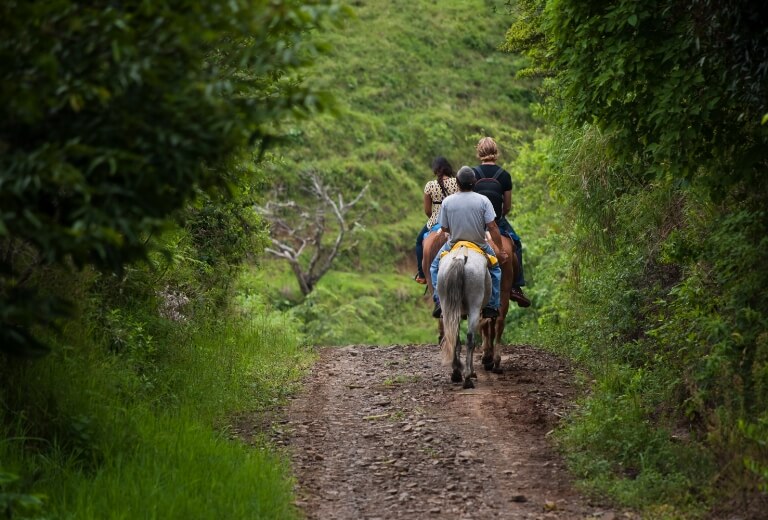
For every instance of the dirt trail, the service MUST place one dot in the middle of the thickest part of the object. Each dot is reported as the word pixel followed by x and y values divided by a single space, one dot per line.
pixel 382 433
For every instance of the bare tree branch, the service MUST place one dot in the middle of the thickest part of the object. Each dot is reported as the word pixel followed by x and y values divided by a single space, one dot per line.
pixel 295 230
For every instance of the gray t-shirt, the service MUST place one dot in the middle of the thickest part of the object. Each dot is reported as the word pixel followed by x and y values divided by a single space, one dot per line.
pixel 465 215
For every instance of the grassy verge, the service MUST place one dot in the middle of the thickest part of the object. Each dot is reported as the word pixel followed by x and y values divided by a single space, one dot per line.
pixel 349 307
pixel 139 432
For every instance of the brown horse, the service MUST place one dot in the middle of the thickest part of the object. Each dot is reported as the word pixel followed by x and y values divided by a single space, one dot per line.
pixel 492 330
pixel 432 244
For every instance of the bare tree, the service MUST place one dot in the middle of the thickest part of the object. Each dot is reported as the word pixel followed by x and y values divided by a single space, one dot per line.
pixel 298 231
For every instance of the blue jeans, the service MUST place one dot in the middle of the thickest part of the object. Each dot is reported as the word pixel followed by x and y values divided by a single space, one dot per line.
pixel 495 274
pixel 505 228
pixel 420 250
pixel 420 246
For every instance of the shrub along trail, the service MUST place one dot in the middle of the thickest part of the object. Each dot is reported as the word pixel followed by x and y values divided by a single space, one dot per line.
pixel 381 432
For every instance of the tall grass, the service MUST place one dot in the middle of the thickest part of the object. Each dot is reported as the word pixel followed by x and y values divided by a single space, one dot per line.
pixel 361 308
pixel 141 432
pixel 176 468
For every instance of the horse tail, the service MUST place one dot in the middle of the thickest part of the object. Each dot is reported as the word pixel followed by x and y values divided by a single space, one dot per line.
pixel 451 304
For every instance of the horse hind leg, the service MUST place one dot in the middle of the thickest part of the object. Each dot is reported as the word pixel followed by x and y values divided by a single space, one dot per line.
pixel 494 356
pixel 457 368
pixel 498 325
pixel 487 329
pixel 496 367
pixel 468 367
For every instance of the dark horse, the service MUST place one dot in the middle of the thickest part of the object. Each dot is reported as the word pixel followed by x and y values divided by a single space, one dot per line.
pixel 492 330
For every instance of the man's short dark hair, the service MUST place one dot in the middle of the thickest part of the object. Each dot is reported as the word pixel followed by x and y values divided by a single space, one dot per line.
pixel 465 177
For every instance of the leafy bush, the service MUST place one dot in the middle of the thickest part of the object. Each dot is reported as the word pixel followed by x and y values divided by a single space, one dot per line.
pixel 120 113
pixel 657 164
pixel 15 503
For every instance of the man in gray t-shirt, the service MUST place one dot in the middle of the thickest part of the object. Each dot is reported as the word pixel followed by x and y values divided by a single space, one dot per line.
pixel 466 215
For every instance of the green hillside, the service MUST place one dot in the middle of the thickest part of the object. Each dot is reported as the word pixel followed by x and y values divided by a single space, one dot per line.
pixel 413 80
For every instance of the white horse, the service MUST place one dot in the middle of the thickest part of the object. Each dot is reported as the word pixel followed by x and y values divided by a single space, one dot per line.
pixel 464 287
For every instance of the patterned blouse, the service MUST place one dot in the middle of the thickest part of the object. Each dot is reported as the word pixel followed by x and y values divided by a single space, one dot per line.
pixel 436 194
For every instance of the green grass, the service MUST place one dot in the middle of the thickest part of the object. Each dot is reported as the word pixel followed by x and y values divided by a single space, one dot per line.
pixel 349 308
pixel 617 450
pixel 141 433
pixel 175 469
pixel 381 309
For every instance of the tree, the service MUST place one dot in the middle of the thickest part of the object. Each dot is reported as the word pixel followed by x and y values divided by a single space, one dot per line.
pixel 676 84
pixel 116 113
pixel 525 36
pixel 659 109
pixel 297 231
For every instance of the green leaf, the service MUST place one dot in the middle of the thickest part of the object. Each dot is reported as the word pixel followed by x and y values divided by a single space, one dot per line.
pixel 632 20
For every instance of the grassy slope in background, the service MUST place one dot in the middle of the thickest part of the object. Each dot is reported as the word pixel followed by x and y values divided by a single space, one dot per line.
pixel 431 83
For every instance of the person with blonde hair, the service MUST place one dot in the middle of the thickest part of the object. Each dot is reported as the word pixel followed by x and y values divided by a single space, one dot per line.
pixel 466 216
pixel 496 183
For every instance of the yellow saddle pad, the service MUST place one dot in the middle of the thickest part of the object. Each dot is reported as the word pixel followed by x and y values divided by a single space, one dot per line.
pixel 471 245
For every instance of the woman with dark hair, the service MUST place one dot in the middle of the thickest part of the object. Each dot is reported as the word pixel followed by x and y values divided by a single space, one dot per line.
pixel 435 191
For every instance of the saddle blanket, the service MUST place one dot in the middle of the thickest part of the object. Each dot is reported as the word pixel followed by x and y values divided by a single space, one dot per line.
pixel 492 260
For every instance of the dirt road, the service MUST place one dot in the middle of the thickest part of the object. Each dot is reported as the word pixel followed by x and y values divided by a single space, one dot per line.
pixel 382 433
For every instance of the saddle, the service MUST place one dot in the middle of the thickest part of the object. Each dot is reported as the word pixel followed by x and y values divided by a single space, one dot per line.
pixel 492 260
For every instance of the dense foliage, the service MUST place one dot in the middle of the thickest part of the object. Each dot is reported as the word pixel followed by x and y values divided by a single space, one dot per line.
pixel 658 161
pixel 129 140
pixel 115 114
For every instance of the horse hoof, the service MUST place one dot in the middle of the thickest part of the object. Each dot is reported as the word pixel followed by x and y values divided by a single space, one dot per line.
pixel 456 377
pixel 497 370
pixel 468 383
pixel 488 366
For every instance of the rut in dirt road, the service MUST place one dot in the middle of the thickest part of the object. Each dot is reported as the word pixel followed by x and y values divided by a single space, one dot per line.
pixel 381 433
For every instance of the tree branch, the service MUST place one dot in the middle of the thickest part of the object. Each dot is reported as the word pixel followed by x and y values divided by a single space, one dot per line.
pixel 308 229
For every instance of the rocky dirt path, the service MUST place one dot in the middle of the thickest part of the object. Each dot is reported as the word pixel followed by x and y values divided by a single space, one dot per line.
pixel 382 433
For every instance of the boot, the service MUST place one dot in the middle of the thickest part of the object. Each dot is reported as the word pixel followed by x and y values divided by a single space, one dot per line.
pixel 516 293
